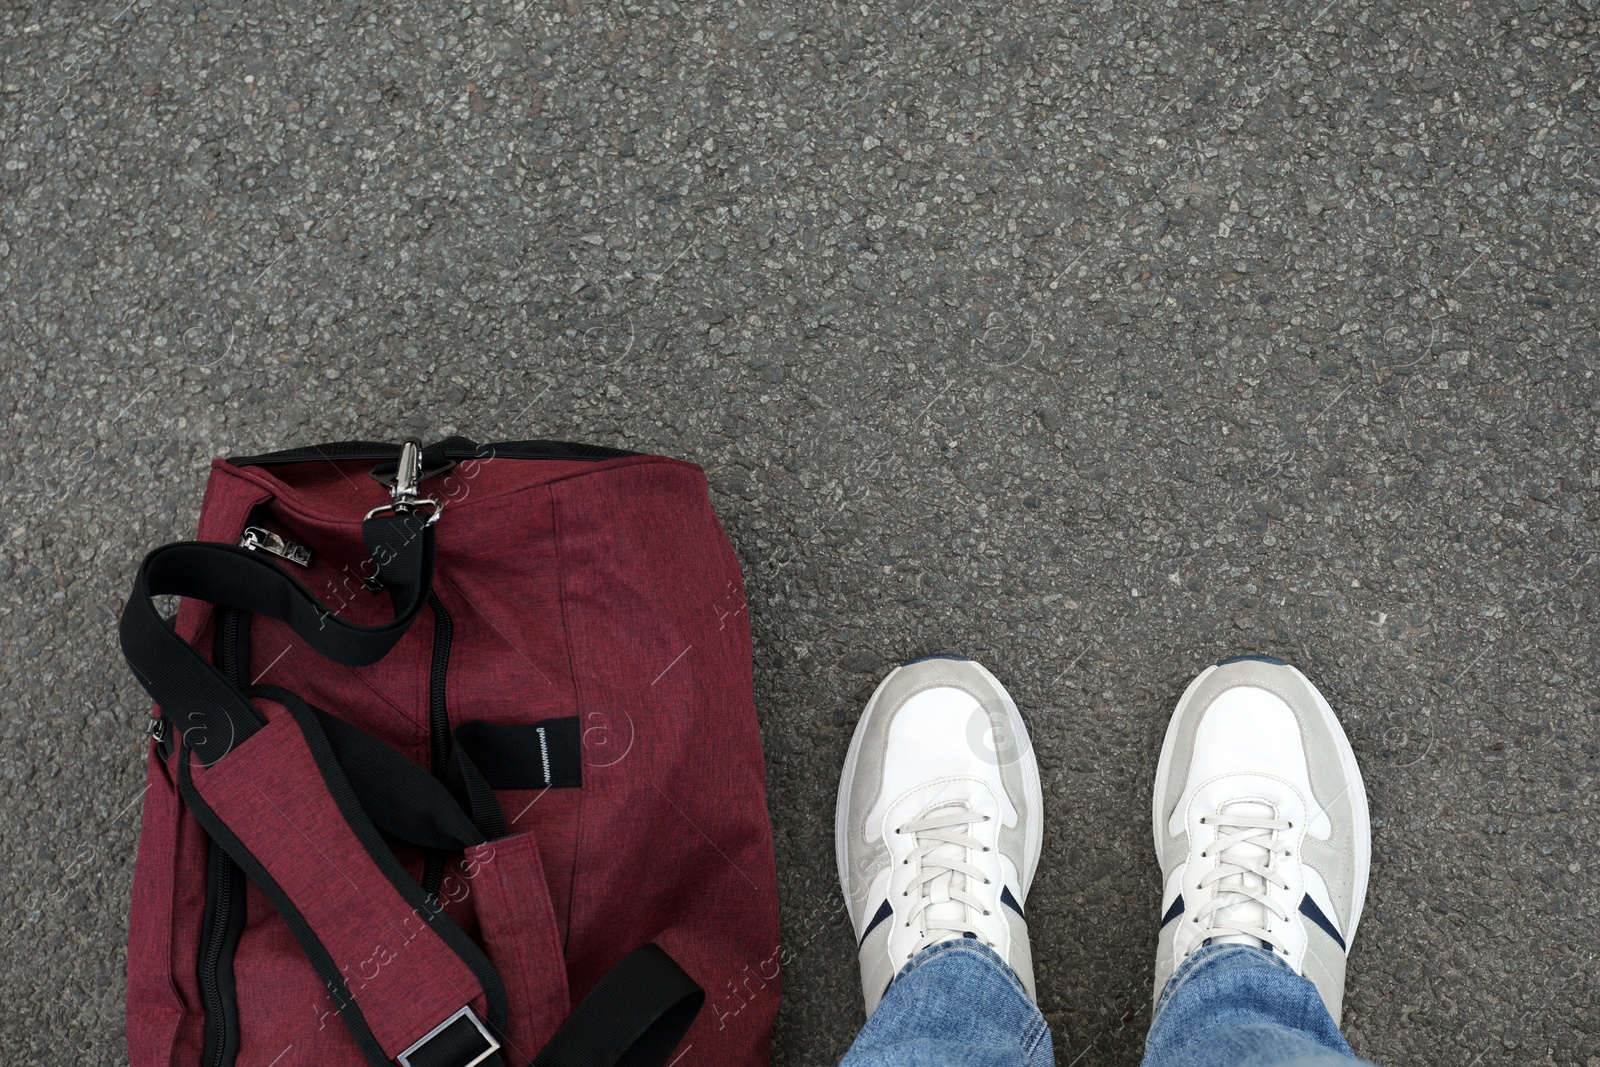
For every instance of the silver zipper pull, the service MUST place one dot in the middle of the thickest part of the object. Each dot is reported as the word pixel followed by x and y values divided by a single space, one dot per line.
pixel 266 541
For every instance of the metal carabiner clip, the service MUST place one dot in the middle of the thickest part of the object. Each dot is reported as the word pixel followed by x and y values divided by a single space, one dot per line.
pixel 403 496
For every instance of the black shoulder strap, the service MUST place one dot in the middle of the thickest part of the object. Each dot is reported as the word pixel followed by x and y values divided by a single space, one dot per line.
pixel 211 713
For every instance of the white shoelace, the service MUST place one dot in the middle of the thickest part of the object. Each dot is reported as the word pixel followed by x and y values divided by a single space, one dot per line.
pixel 1239 904
pixel 939 886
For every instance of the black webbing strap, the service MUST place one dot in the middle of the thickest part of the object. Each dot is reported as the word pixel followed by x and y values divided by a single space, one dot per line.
pixel 211 713
pixel 402 799
pixel 474 793
pixel 408 803
pixel 633 1017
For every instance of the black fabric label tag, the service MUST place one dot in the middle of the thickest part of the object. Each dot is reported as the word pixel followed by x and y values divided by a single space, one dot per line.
pixel 541 755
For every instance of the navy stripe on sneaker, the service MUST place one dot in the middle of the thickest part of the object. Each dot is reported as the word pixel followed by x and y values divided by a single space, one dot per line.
pixel 1010 901
pixel 1309 909
pixel 1256 657
pixel 1173 912
pixel 884 911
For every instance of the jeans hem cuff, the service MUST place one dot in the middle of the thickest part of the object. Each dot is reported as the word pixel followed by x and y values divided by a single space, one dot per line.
pixel 965 945
pixel 1198 959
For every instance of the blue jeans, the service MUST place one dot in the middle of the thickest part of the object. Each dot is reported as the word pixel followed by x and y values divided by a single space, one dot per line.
pixel 958 1005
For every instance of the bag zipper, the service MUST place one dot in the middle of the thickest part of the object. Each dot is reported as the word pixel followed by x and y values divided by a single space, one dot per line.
pixel 224 914
pixel 224 921
pixel 260 538
pixel 438 723
pixel 454 448
pixel 228 643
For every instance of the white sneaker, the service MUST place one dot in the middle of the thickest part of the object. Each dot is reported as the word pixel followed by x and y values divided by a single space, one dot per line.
pixel 1260 823
pixel 938 826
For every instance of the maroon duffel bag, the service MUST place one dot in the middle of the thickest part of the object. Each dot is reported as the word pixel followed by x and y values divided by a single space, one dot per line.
pixel 454 762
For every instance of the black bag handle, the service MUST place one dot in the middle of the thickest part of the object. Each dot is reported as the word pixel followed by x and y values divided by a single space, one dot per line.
pixel 633 1017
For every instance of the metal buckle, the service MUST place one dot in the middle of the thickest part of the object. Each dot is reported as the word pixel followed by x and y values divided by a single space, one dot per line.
pixel 491 1045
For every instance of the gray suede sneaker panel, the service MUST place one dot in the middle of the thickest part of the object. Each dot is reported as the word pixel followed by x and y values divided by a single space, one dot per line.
pixel 877 970
pixel 1021 955
pixel 906 683
pixel 1166 958
pixel 1324 964
pixel 1334 859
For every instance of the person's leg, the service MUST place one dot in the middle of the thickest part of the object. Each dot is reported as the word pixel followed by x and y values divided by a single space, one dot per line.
pixel 1239 1006
pixel 1260 822
pixel 956 1003
pixel 938 833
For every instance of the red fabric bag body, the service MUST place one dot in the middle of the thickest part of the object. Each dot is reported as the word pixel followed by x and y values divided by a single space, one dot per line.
pixel 584 603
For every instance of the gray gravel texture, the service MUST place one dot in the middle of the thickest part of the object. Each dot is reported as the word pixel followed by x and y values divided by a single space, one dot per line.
pixel 1096 341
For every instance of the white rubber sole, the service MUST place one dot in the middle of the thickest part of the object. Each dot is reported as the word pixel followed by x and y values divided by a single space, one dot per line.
pixel 1347 760
pixel 1032 791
